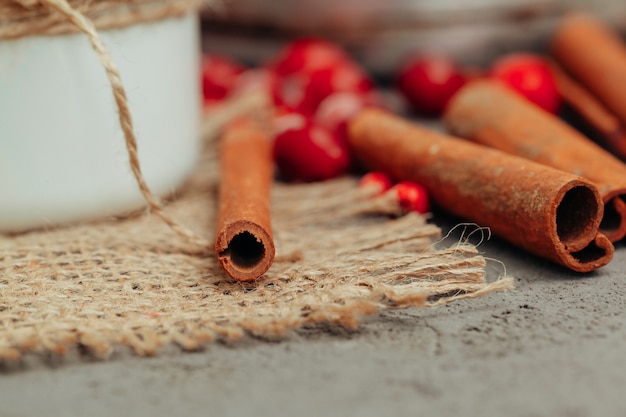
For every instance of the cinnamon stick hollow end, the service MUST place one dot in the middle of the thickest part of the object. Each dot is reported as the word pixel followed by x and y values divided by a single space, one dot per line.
pixel 546 211
pixel 244 242
pixel 490 114
pixel 245 250
pixel 613 223
pixel 577 210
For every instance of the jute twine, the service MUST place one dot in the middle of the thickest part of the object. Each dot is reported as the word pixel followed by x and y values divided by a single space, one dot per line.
pixel 100 288
pixel 20 18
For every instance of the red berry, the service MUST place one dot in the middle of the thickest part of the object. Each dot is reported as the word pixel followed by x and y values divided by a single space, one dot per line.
pixel 306 55
pixel 219 76
pixel 285 119
pixel 308 70
pixel 530 75
pixel 345 77
pixel 337 109
pixel 309 152
pixel 289 92
pixel 412 196
pixel 303 92
pixel 377 180
pixel 428 83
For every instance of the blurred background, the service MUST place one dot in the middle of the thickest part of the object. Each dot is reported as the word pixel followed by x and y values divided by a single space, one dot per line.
pixel 380 33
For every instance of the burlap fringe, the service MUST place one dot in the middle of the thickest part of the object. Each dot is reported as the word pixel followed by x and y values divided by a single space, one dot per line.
pixel 341 255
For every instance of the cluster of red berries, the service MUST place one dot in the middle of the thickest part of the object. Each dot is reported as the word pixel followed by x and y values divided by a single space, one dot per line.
pixel 428 82
pixel 316 87
pixel 411 196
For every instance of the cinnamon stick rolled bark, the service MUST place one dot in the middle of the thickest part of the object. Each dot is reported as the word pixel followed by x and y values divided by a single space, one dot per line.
pixel 596 56
pixel 491 114
pixel 548 212
pixel 244 242
pixel 599 123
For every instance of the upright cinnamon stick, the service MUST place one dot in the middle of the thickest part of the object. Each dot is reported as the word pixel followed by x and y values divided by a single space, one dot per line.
pixel 491 114
pixel 244 243
pixel 596 56
pixel 549 212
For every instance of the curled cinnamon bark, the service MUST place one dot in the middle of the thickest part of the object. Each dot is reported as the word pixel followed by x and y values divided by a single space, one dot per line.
pixel 551 213
pixel 491 114
pixel 596 56
pixel 244 243
pixel 597 121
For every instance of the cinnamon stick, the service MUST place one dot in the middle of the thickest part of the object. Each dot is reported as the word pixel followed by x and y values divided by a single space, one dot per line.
pixel 244 243
pixel 491 114
pixel 602 125
pixel 549 212
pixel 596 56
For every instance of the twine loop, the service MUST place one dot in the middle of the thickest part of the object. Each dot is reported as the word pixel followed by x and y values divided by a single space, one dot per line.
pixel 33 17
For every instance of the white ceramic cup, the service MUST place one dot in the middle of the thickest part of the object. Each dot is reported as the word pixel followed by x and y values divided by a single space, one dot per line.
pixel 62 151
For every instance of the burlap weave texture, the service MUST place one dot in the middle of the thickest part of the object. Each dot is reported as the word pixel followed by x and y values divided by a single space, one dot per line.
pixel 132 282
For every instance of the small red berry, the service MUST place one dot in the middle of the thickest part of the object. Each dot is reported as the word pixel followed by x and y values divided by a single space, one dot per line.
pixel 303 92
pixel 428 82
pixel 530 75
pixel 305 55
pixel 289 92
pixel 308 70
pixel 377 180
pixel 337 109
pixel 309 152
pixel 219 76
pixel 344 77
pixel 285 119
pixel 412 196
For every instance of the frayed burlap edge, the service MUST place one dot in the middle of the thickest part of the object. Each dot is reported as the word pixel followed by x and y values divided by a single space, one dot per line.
pixel 132 283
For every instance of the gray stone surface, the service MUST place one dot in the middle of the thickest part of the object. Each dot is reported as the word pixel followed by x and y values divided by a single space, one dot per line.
pixel 553 347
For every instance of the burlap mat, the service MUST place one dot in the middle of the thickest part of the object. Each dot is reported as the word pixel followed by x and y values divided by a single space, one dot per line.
pixel 131 282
